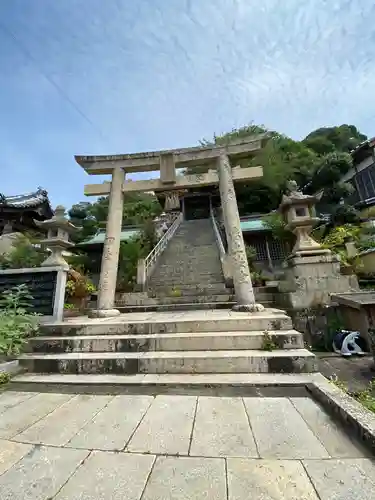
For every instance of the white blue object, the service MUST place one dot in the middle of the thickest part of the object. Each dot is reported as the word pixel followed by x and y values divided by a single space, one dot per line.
pixel 348 343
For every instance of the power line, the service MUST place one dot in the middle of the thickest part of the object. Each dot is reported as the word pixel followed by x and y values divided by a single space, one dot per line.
pixel 63 94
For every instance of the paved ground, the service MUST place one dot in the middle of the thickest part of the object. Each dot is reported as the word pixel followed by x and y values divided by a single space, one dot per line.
pixel 70 447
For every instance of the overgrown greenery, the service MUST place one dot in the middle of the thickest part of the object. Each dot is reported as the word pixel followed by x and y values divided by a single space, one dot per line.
pixel 90 217
pixel 16 323
pixel 131 251
pixel 267 343
pixel 4 378
pixel 24 253
pixel 366 397
pixel 317 162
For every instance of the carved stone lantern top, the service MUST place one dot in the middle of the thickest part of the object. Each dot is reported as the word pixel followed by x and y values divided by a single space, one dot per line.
pixel 58 221
pixel 298 210
pixel 294 196
pixel 59 228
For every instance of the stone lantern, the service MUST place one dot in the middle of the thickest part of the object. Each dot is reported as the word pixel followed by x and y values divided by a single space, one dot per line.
pixel 298 210
pixel 59 229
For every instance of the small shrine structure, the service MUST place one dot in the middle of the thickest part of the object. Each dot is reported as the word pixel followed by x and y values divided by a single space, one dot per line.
pixel 18 213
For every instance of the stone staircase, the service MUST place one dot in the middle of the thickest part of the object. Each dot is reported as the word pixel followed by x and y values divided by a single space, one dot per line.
pixel 189 276
pixel 155 349
pixel 189 271
pixel 185 344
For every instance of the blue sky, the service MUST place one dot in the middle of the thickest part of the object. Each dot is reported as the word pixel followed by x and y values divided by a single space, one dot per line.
pixel 120 76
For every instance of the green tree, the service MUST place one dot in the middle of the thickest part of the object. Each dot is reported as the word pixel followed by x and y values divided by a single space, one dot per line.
pixel 24 253
pixel 329 139
pixel 90 217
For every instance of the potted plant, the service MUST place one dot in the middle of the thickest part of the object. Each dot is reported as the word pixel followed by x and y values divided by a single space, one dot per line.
pixel 70 310
pixel 257 278
pixel 78 290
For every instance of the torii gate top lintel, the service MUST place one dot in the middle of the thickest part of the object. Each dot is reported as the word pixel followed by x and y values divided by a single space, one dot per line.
pixel 182 157
pixel 167 162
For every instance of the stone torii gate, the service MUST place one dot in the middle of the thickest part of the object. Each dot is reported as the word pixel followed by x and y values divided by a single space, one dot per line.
pixel 218 160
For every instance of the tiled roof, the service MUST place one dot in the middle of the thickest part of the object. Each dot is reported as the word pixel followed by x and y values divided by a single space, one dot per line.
pixel 30 200
pixel 126 234
pixel 253 225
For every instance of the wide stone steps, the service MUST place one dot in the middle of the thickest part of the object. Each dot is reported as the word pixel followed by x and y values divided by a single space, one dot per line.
pixel 159 382
pixel 235 361
pixel 179 322
pixel 216 341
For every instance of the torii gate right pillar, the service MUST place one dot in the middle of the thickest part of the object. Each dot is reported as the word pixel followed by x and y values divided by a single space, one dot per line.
pixel 236 247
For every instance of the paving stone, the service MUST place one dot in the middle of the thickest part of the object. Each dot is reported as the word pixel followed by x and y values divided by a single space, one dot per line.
pixel 166 427
pixel 186 478
pixel 342 479
pixel 40 474
pixel 221 428
pixel 268 480
pixel 9 399
pixel 21 416
pixel 103 476
pixel 61 425
pixel 113 426
pixel 336 442
pixel 10 453
pixel 280 431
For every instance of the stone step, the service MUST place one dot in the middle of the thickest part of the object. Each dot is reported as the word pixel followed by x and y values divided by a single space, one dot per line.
pixel 158 382
pixel 185 321
pixel 211 287
pixel 216 341
pixel 159 291
pixel 173 280
pixel 189 268
pixel 171 299
pixel 177 306
pixel 179 282
pixel 241 361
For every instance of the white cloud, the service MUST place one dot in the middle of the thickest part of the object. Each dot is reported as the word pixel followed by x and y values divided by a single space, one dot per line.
pixel 165 73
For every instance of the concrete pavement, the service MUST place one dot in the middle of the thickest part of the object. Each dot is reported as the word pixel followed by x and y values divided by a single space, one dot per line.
pixel 132 447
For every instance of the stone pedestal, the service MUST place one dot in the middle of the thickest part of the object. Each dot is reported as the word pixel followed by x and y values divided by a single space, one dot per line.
pixel 236 247
pixel 108 273
pixel 309 281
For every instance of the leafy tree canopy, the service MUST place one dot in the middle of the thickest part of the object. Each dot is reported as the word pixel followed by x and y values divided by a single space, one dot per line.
pixel 317 163
pixel 90 217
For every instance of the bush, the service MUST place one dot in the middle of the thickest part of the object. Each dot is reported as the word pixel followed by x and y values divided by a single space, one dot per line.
pixel 16 325
pixel 23 254
pixel 130 252
pixel 251 255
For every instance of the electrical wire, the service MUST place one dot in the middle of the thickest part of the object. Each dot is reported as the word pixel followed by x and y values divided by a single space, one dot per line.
pixel 57 87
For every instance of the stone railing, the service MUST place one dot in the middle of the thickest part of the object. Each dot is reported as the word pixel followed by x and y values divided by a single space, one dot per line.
pixel 147 265
pixel 224 256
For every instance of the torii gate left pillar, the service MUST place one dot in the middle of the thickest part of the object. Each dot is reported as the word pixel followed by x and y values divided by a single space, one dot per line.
pixel 111 249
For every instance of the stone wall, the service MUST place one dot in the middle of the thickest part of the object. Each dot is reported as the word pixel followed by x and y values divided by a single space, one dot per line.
pixel 309 281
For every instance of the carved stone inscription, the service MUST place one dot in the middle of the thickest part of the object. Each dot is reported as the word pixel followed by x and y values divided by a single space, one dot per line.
pixel 41 285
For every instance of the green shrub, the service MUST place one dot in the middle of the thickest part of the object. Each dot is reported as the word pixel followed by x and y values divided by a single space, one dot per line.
pixel 4 378
pixel 23 254
pixel 16 324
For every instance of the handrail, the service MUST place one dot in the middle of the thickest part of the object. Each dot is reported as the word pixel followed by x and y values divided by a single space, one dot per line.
pixel 218 237
pixel 152 257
